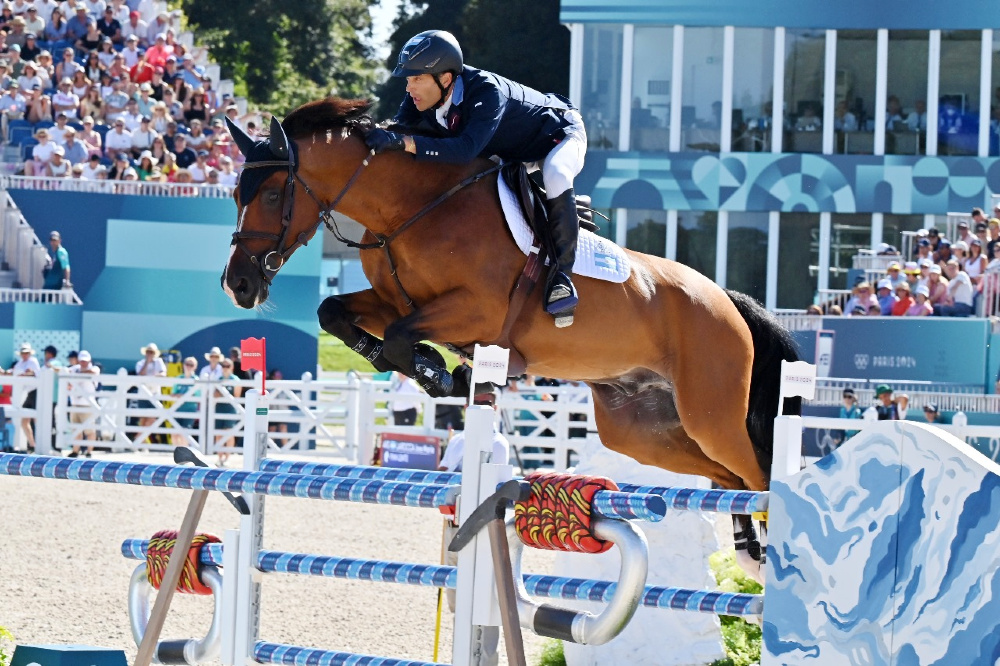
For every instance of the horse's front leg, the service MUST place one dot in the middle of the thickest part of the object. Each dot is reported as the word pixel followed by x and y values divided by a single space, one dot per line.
pixel 350 317
pixel 448 318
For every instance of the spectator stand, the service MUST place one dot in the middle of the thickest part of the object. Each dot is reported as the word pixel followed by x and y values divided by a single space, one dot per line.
pixel 22 258
pixel 135 188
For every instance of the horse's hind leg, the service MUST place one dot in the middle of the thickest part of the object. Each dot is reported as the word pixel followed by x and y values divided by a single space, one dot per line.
pixel 644 425
pixel 712 392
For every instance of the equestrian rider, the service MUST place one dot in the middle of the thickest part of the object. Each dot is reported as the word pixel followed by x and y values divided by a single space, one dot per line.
pixel 459 113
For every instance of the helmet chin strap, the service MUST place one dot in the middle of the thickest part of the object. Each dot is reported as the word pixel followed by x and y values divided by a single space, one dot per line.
pixel 444 91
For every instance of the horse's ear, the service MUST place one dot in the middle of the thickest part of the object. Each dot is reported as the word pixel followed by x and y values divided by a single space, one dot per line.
pixel 279 142
pixel 242 139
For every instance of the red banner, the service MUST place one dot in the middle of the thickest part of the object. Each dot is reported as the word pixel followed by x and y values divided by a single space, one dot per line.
pixel 254 354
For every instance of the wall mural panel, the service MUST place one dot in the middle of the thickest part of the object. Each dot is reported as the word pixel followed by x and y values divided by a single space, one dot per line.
pixel 901 184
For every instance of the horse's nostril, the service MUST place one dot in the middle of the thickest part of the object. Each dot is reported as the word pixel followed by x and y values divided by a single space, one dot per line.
pixel 242 286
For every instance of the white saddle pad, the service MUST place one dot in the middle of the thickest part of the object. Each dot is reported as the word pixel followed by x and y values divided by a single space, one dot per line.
pixel 596 257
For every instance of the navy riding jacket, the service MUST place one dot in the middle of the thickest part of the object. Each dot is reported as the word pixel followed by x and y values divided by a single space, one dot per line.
pixel 489 115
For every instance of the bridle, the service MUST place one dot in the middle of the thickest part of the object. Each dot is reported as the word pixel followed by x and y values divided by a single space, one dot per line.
pixel 272 260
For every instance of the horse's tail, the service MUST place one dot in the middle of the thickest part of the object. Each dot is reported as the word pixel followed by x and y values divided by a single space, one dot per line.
pixel 772 344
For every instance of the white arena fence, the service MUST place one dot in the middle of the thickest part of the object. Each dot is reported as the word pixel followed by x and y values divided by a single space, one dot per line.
pixel 345 417
pixel 342 418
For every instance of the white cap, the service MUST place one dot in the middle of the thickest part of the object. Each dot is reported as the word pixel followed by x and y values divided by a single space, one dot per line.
pixel 884 284
pixel 83 356
pixel 922 289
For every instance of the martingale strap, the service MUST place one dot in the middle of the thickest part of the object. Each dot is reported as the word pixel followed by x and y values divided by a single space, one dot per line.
pixel 384 241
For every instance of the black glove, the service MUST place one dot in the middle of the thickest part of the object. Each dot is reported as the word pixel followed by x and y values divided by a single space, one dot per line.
pixel 381 140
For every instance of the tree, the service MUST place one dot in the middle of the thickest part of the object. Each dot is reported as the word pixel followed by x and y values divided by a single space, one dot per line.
pixel 520 39
pixel 286 53
pixel 494 35
pixel 412 19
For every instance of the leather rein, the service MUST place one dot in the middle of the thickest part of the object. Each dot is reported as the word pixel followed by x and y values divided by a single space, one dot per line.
pixel 272 260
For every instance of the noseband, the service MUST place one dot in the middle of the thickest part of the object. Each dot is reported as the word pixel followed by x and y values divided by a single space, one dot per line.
pixel 272 260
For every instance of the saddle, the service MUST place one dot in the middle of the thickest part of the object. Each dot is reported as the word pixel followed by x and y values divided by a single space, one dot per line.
pixel 531 197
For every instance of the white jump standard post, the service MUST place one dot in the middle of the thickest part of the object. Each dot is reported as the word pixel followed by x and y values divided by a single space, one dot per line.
pixel 476 640
pixel 246 627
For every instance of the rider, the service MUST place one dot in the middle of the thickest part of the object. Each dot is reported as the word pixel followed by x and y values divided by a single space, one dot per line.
pixel 470 113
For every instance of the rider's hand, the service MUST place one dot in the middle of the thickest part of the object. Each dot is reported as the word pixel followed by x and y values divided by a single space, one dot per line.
pixel 381 140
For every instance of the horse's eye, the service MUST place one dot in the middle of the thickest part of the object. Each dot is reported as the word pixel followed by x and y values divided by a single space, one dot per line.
pixel 272 197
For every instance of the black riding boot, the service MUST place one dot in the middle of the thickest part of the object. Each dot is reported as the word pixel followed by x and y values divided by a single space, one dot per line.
pixel 564 228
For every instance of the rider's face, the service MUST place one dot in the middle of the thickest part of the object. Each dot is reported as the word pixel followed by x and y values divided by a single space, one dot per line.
pixel 424 91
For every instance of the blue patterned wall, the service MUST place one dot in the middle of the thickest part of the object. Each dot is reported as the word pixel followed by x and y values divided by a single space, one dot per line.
pixel 885 552
pixel 148 268
pixel 902 184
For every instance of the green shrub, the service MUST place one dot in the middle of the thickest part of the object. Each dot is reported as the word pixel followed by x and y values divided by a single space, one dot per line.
pixel 741 638
pixel 6 646
pixel 552 655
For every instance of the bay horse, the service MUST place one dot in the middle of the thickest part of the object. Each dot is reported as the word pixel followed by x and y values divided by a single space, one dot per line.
pixel 684 374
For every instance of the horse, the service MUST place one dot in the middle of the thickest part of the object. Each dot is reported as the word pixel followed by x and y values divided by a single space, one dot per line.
pixel 684 374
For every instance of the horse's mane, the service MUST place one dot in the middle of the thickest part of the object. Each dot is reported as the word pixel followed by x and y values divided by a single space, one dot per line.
pixel 326 114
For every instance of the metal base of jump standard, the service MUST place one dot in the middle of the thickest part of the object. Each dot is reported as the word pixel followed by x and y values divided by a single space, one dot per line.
pixel 887 548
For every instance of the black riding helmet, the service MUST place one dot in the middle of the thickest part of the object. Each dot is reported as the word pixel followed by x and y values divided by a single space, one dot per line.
pixel 431 52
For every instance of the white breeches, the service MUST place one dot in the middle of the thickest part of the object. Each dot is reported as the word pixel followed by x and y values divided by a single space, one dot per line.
pixel 565 161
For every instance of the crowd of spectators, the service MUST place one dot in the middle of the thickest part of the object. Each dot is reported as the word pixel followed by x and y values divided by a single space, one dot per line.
pixel 944 277
pixel 95 91
pixel 887 405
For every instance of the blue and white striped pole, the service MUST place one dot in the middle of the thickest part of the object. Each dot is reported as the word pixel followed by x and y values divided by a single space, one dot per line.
pixel 207 478
pixel 435 575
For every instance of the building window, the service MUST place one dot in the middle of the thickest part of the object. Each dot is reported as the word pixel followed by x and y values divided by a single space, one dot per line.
pixel 753 89
pixel 805 59
pixel 746 257
pixel 995 102
pixel 701 106
pixel 958 103
pixel 905 115
pixel 653 49
pixel 647 231
pixel 602 84
pixel 854 92
pixel 848 234
pixel 894 225
pixel 696 234
pixel 797 259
